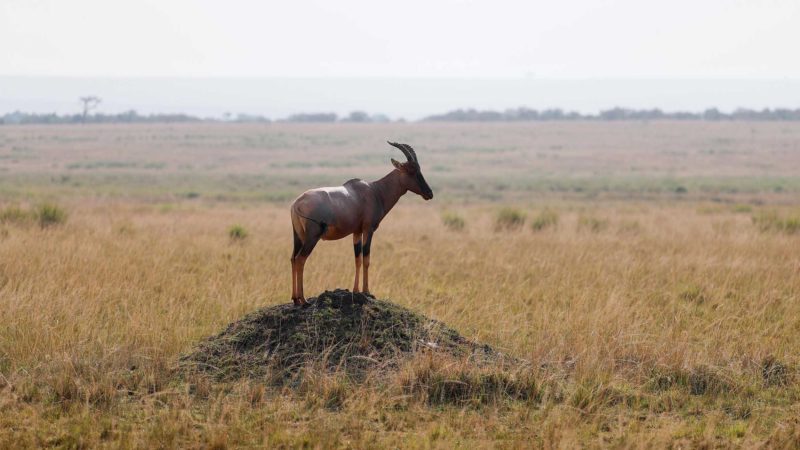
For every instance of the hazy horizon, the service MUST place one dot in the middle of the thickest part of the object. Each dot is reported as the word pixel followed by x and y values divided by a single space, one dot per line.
pixel 409 98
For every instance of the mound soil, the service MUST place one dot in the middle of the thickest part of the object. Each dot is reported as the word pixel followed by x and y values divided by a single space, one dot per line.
pixel 338 329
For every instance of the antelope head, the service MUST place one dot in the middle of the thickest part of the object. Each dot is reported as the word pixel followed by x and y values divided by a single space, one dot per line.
pixel 412 178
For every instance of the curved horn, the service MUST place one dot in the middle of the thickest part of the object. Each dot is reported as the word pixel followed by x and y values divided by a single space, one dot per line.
pixel 411 155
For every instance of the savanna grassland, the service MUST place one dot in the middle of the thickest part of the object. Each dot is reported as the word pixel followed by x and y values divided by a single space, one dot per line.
pixel 647 273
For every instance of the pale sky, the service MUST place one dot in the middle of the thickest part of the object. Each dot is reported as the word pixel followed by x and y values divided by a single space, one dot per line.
pixel 403 38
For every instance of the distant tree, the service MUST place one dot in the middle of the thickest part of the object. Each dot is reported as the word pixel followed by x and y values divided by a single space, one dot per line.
pixel 552 114
pixel 128 116
pixel 358 116
pixel 312 117
pixel 712 114
pixel 380 118
pixel 251 118
pixel 89 102
pixel 614 114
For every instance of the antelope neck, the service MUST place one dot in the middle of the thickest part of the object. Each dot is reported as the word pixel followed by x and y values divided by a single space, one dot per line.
pixel 388 190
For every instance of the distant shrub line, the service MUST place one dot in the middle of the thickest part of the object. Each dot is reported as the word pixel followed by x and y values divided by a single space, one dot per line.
pixel 521 114
pixel 18 117
pixel 614 114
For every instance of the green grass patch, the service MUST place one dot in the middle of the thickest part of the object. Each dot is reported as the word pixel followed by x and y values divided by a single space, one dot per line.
pixel 14 215
pixel 771 221
pixel 237 233
pixel 591 223
pixel 453 221
pixel 547 218
pixel 509 219
pixel 50 214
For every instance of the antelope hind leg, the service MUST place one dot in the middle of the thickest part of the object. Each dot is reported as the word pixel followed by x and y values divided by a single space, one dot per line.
pixel 357 252
pixel 298 244
pixel 314 232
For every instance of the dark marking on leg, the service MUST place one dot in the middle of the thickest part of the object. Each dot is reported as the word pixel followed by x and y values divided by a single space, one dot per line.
pixel 357 249
pixel 367 245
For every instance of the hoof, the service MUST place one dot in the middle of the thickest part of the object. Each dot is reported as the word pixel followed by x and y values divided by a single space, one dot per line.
pixel 299 301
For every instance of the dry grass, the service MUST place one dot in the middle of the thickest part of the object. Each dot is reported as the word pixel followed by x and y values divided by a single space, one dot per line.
pixel 670 332
pixel 653 291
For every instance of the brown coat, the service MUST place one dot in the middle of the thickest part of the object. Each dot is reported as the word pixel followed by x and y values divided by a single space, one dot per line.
pixel 355 208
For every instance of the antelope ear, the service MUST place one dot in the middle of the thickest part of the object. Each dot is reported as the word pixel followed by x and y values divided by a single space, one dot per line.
pixel 397 164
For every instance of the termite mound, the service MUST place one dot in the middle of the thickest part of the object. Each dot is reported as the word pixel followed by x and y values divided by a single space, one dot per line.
pixel 338 330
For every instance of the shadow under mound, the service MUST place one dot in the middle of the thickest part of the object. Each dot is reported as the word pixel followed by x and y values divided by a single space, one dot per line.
pixel 337 330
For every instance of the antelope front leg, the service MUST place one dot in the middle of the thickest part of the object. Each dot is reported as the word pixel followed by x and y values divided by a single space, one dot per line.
pixel 367 243
pixel 357 251
pixel 294 279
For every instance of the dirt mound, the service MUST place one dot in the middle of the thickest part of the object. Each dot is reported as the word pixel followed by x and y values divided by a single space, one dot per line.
pixel 338 329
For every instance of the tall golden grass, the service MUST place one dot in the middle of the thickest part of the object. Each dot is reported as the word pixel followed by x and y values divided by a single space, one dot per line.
pixel 675 323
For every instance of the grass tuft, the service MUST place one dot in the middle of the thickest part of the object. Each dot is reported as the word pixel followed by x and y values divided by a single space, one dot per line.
pixel 593 224
pixel 693 293
pixel 453 221
pixel 237 233
pixel 700 380
pixel 771 221
pixel 775 372
pixel 50 214
pixel 14 215
pixel 707 380
pixel 547 218
pixel 442 381
pixel 509 219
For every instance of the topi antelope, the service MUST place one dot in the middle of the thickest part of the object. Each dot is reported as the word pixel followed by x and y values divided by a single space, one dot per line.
pixel 356 208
